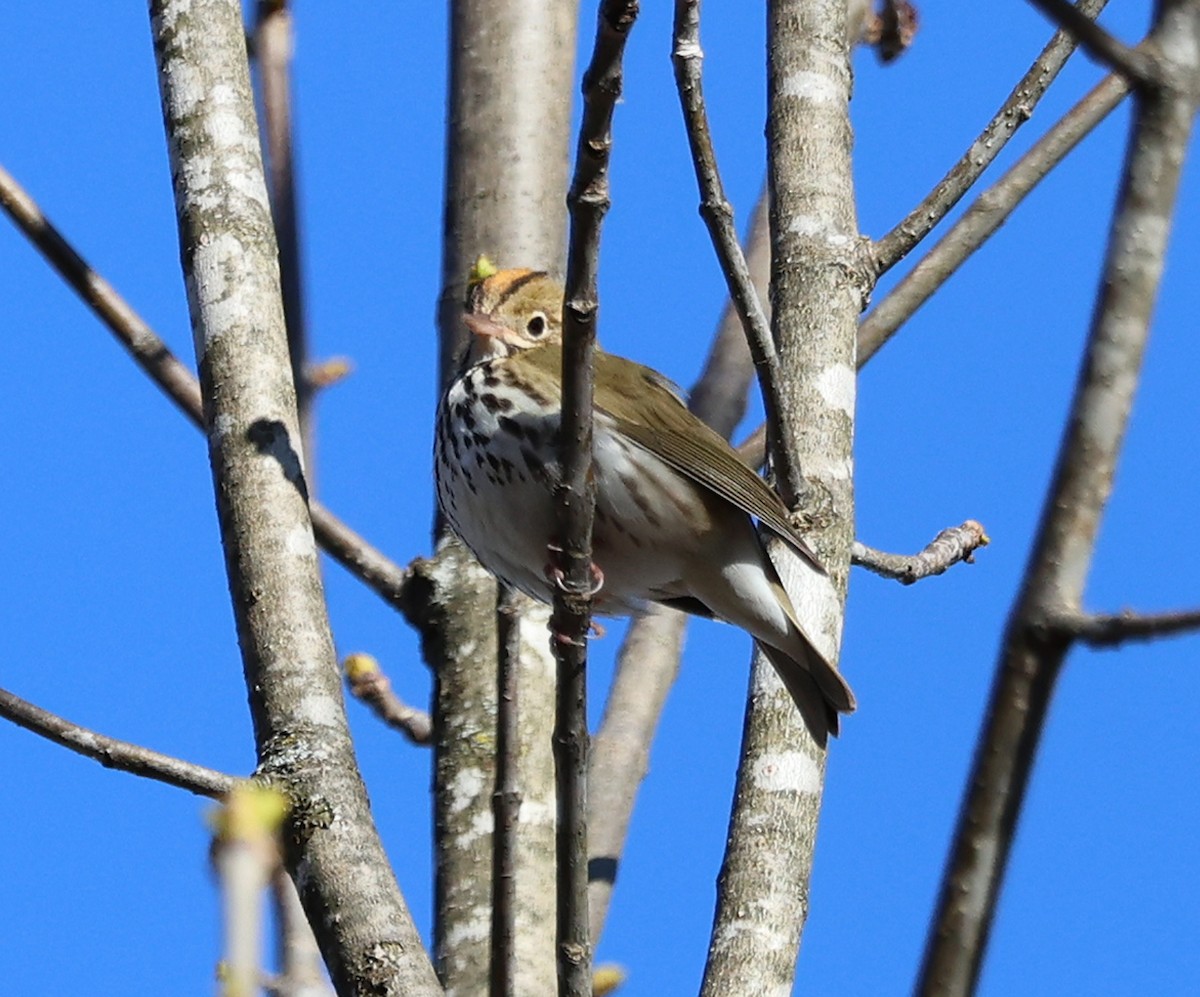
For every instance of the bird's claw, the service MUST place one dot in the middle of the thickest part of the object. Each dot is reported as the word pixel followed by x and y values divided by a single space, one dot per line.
pixel 555 574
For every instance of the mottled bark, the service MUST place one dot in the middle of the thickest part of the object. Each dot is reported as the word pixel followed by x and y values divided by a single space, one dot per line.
pixel 508 135
pixel 228 251
pixel 817 290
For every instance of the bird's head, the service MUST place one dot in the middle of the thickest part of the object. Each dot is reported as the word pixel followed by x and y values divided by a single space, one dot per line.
pixel 513 310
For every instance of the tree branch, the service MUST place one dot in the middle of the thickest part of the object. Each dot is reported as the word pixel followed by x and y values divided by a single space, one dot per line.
pixel 112 753
pixel 648 661
pixel 1112 630
pixel 229 256
pixel 1013 113
pixel 506 795
pixel 367 563
pixel 587 203
pixel 687 58
pixel 1114 54
pixel 512 209
pixel 371 687
pixel 1031 656
pixel 274 44
pixel 817 291
pixel 990 210
pixel 954 544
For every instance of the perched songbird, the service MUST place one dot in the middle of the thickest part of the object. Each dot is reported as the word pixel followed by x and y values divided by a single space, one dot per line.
pixel 673 501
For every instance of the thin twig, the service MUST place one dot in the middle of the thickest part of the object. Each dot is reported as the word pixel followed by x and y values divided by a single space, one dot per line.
pixel 506 796
pixel 1135 66
pixel 112 753
pixel 954 544
pixel 1014 112
pixel 1032 654
pixel 687 58
pixel 245 853
pixel 991 210
pixel 369 684
pixel 648 660
pixel 301 970
pixel 1115 629
pixel 273 47
pixel 351 551
pixel 587 203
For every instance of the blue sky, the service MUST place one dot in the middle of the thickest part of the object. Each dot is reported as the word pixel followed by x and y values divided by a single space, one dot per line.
pixel 115 605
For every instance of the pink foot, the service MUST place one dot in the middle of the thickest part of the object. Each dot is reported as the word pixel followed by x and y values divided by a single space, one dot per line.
pixel 555 574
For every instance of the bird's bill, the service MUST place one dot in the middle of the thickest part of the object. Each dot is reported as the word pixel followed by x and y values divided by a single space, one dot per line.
pixel 491 338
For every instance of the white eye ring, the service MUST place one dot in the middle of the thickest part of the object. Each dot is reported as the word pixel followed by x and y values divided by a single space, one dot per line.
pixel 536 326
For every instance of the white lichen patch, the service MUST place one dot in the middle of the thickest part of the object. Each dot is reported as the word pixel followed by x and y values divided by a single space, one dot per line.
pixel 465 788
pixel 299 541
pixel 836 385
pixel 812 87
pixel 536 812
pixel 222 426
pixel 786 772
pixel 318 710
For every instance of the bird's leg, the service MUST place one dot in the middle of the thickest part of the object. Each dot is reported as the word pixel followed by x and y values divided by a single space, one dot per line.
pixel 554 573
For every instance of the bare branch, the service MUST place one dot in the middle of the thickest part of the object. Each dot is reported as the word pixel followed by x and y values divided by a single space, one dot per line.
pixel 112 753
pixel 1115 629
pixel 817 291
pixel 1032 655
pixel 301 971
pixel 648 660
pixel 506 795
pixel 371 687
pixel 351 551
pixel 245 853
pixel 512 209
pixel 273 47
pixel 954 544
pixel 717 212
pixel 647 665
pixel 358 914
pixel 1135 66
pixel 1013 113
pixel 587 203
pixel 990 210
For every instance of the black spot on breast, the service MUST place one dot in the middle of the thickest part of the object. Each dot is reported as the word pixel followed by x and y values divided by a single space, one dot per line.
pixel 512 427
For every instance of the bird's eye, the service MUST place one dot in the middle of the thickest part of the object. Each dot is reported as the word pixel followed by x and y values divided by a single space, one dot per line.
pixel 536 326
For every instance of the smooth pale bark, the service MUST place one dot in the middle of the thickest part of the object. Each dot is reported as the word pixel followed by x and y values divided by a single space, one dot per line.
pixel 227 245
pixel 508 138
pixel 818 287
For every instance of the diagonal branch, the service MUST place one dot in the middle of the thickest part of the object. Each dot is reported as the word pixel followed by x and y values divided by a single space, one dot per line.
pixel 587 203
pixel 648 660
pixel 1014 112
pixel 1137 67
pixel 991 210
pixel 717 212
pixel 112 753
pixel 354 553
pixel 1032 655
pixel 227 248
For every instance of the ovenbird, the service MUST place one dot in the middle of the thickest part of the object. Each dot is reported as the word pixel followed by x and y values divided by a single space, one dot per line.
pixel 673 501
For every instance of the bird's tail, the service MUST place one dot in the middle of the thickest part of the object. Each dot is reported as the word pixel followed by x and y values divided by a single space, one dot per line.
pixel 817 688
